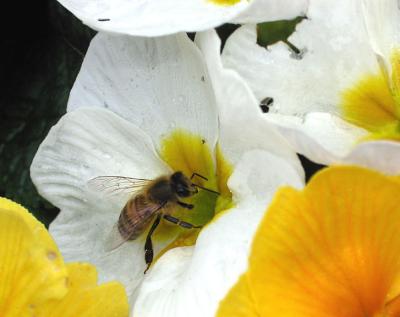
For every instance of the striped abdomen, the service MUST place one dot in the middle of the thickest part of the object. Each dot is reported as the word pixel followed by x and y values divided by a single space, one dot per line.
pixel 135 217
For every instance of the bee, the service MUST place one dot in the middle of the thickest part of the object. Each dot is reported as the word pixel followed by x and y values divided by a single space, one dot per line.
pixel 151 201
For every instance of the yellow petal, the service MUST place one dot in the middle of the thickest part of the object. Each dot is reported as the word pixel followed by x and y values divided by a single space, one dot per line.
pixel 239 302
pixel 332 249
pixel 85 298
pixel 31 268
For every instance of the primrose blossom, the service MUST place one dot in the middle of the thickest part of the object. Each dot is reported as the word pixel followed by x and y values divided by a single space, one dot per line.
pixel 326 250
pixel 147 107
pixel 35 281
pixel 162 17
pixel 335 97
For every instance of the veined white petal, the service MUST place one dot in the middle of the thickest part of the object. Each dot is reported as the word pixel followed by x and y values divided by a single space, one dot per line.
pixel 193 280
pixel 382 22
pixel 242 126
pixel 259 173
pixel 322 137
pixel 159 84
pixel 380 155
pixel 327 139
pixel 267 10
pixel 336 53
pixel 86 143
pixel 161 17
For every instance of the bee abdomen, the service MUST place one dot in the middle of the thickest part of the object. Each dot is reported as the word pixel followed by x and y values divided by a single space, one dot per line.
pixel 129 222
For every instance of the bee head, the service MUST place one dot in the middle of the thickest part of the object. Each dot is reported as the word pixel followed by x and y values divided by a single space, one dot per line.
pixel 182 185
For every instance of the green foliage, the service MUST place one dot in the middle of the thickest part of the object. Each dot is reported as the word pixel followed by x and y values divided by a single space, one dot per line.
pixel 38 67
pixel 269 33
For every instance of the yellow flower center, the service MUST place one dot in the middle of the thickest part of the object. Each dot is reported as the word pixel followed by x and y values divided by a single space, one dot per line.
pixel 373 103
pixel 189 153
pixel 225 2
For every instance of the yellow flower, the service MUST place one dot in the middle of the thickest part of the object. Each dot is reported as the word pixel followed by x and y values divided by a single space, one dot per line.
pixel 36 282
pixel 332 249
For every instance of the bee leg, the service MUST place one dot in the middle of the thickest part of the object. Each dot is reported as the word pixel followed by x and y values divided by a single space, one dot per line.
pixel 148 246
pixel 179 222
pixel 185 205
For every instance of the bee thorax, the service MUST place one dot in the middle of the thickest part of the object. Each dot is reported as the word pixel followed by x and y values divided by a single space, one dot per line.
pixel 161 192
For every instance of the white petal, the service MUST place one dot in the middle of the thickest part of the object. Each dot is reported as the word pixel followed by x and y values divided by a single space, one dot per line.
pixel 192 281
pixel 158 84
pixel 84 144
pixel 259 173
pixel 326 139
pixel 336 53
pixel 383 156
pixel 382 21
pixel 322 137
pixel 160 17
pixel 242 126
pixel 271 10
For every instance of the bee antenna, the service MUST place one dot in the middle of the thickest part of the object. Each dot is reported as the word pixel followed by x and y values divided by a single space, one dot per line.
pixel 207 189
pixel 198 175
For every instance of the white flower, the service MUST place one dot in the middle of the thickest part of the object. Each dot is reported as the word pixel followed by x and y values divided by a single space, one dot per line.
pixel 338 100
pixel 161 17
pixel 155 108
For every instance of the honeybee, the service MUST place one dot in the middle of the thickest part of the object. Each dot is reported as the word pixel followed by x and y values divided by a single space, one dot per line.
pixel 150 199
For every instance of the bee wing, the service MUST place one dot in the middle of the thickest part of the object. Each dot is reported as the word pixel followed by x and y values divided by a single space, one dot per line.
pixel 117 184
pixel 146 213
pixel 114 239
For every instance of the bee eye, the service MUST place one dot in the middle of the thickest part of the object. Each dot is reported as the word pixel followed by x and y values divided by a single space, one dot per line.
pixel 182 191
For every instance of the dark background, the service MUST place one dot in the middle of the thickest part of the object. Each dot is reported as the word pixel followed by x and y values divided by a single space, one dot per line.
pixel 42 48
